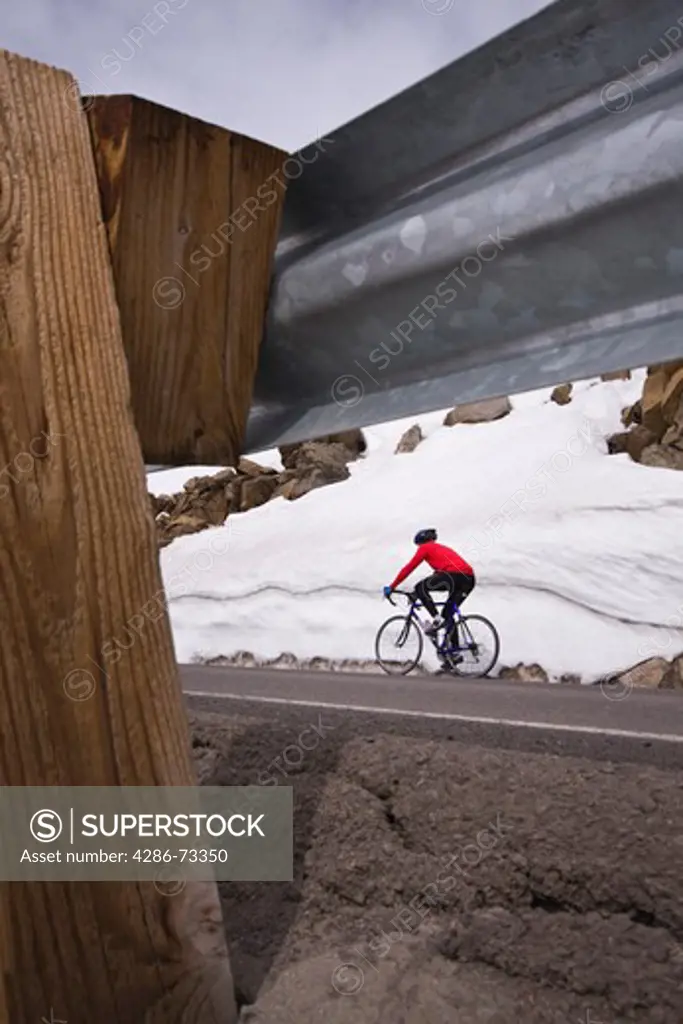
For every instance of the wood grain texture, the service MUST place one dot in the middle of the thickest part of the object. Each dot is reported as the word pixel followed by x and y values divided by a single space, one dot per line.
pixel 192 213
pixel 78 561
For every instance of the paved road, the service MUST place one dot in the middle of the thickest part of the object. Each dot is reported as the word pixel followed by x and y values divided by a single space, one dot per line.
pixel 586 721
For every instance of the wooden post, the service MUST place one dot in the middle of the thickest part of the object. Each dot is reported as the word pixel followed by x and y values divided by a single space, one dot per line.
pixel 78 561
pixel 192 213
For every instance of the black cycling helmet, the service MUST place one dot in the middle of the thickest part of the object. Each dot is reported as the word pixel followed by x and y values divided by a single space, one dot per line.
pixel 425 536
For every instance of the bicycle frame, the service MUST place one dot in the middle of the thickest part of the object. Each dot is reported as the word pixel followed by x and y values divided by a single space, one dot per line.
pixel 444 649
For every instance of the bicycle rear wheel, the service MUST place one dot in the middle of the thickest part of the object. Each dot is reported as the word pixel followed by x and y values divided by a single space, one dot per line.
pixel 398 645
pixel 479 647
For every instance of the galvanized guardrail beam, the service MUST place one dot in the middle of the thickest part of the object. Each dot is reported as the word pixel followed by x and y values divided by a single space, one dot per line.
pixel 510 222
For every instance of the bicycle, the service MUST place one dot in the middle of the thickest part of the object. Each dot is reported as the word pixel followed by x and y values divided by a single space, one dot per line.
pixel 452 654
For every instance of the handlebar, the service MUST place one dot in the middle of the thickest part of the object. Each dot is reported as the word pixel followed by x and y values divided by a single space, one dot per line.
pixel 404 593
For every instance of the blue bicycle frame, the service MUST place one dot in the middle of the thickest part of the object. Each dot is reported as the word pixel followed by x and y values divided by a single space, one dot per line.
pixel 444 649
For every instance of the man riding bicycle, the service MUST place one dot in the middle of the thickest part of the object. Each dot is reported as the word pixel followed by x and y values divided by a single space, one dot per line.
pixel 451 573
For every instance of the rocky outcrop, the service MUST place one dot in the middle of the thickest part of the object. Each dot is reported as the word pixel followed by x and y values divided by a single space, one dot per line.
pixel 479 412
pixel 656 421
pixel 632 415
pixel 353 441
pixel 653 673
pixel 287 660
pixel 663 456
pixel 649 673
pixel 673 676
pixel 256 490
pixel 410 440
pixel 633 442
pixel 662 392
pixel 203 502
pixel 208 500
pixel 311 465
pixel 525 674
pixel 562 394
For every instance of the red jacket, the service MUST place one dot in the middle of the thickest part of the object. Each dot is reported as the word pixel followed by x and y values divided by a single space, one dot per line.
pixel 439 557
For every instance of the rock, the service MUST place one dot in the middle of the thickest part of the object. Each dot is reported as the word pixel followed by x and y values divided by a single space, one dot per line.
pixel 633 442
pixel 672 395
pixel 662 457
pixel 616 375
pixel 257 490
pixel 651 401
pixel 220 479
pixel 617 443
pixel 330 462
pixel 289 661
pixel 637 440
pixel 205 497
pixel 314 464
pixel 310 482
pixel 661 394
pixel 181 525
pixel 673 438
pixel 286 660
pixel 646 673
pixel 570 679
pixel 673 677
pixel 210 508
pixel 632 414
pixel 234 492
pixel 479 412
pixel 215 508
pixel 562 394
pixel 244 659
pixel 288 454
pixel 199 484
pixel 656 439
pixel 287 486
pixel 161 503
pixel 248 468
pixel 525 674
pixel 330 458
pixel 674 431
pixel 351 441
pixel 203 502
pixel 318 664
pixel 208 500
pixel 410 440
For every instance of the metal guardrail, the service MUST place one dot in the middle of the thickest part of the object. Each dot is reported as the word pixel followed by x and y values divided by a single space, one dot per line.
pixel 513 221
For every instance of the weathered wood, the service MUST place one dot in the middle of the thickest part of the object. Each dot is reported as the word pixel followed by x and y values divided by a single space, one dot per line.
pixel 77 562
pixel 192 214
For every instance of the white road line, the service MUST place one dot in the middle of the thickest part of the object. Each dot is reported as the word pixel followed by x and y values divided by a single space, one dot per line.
pixel 444 716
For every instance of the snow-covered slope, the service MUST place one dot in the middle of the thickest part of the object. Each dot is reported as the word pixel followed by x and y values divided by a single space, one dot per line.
pixel 579 555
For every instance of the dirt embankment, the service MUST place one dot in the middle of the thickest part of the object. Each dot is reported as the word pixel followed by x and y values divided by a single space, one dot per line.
pixel 438 883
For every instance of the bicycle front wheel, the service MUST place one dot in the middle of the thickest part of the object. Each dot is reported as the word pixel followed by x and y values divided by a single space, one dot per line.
pixel 398 645
pixel 479 646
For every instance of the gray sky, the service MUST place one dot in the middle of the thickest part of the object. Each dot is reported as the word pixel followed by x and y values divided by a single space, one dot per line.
pixel 285 71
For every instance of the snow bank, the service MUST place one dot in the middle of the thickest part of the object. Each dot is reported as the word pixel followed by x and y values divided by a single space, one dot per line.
pixel 579 555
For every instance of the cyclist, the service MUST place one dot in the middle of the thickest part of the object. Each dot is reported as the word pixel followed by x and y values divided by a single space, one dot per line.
pixel 451 573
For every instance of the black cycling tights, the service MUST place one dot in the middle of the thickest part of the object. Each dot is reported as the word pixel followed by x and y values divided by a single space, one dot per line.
pixel 458 585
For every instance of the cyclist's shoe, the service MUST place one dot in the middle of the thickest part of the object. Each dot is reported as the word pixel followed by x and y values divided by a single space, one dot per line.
pixel 447 665
pixel 434 625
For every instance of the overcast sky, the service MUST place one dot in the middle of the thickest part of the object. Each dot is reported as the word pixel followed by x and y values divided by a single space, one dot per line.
pixel 284 71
